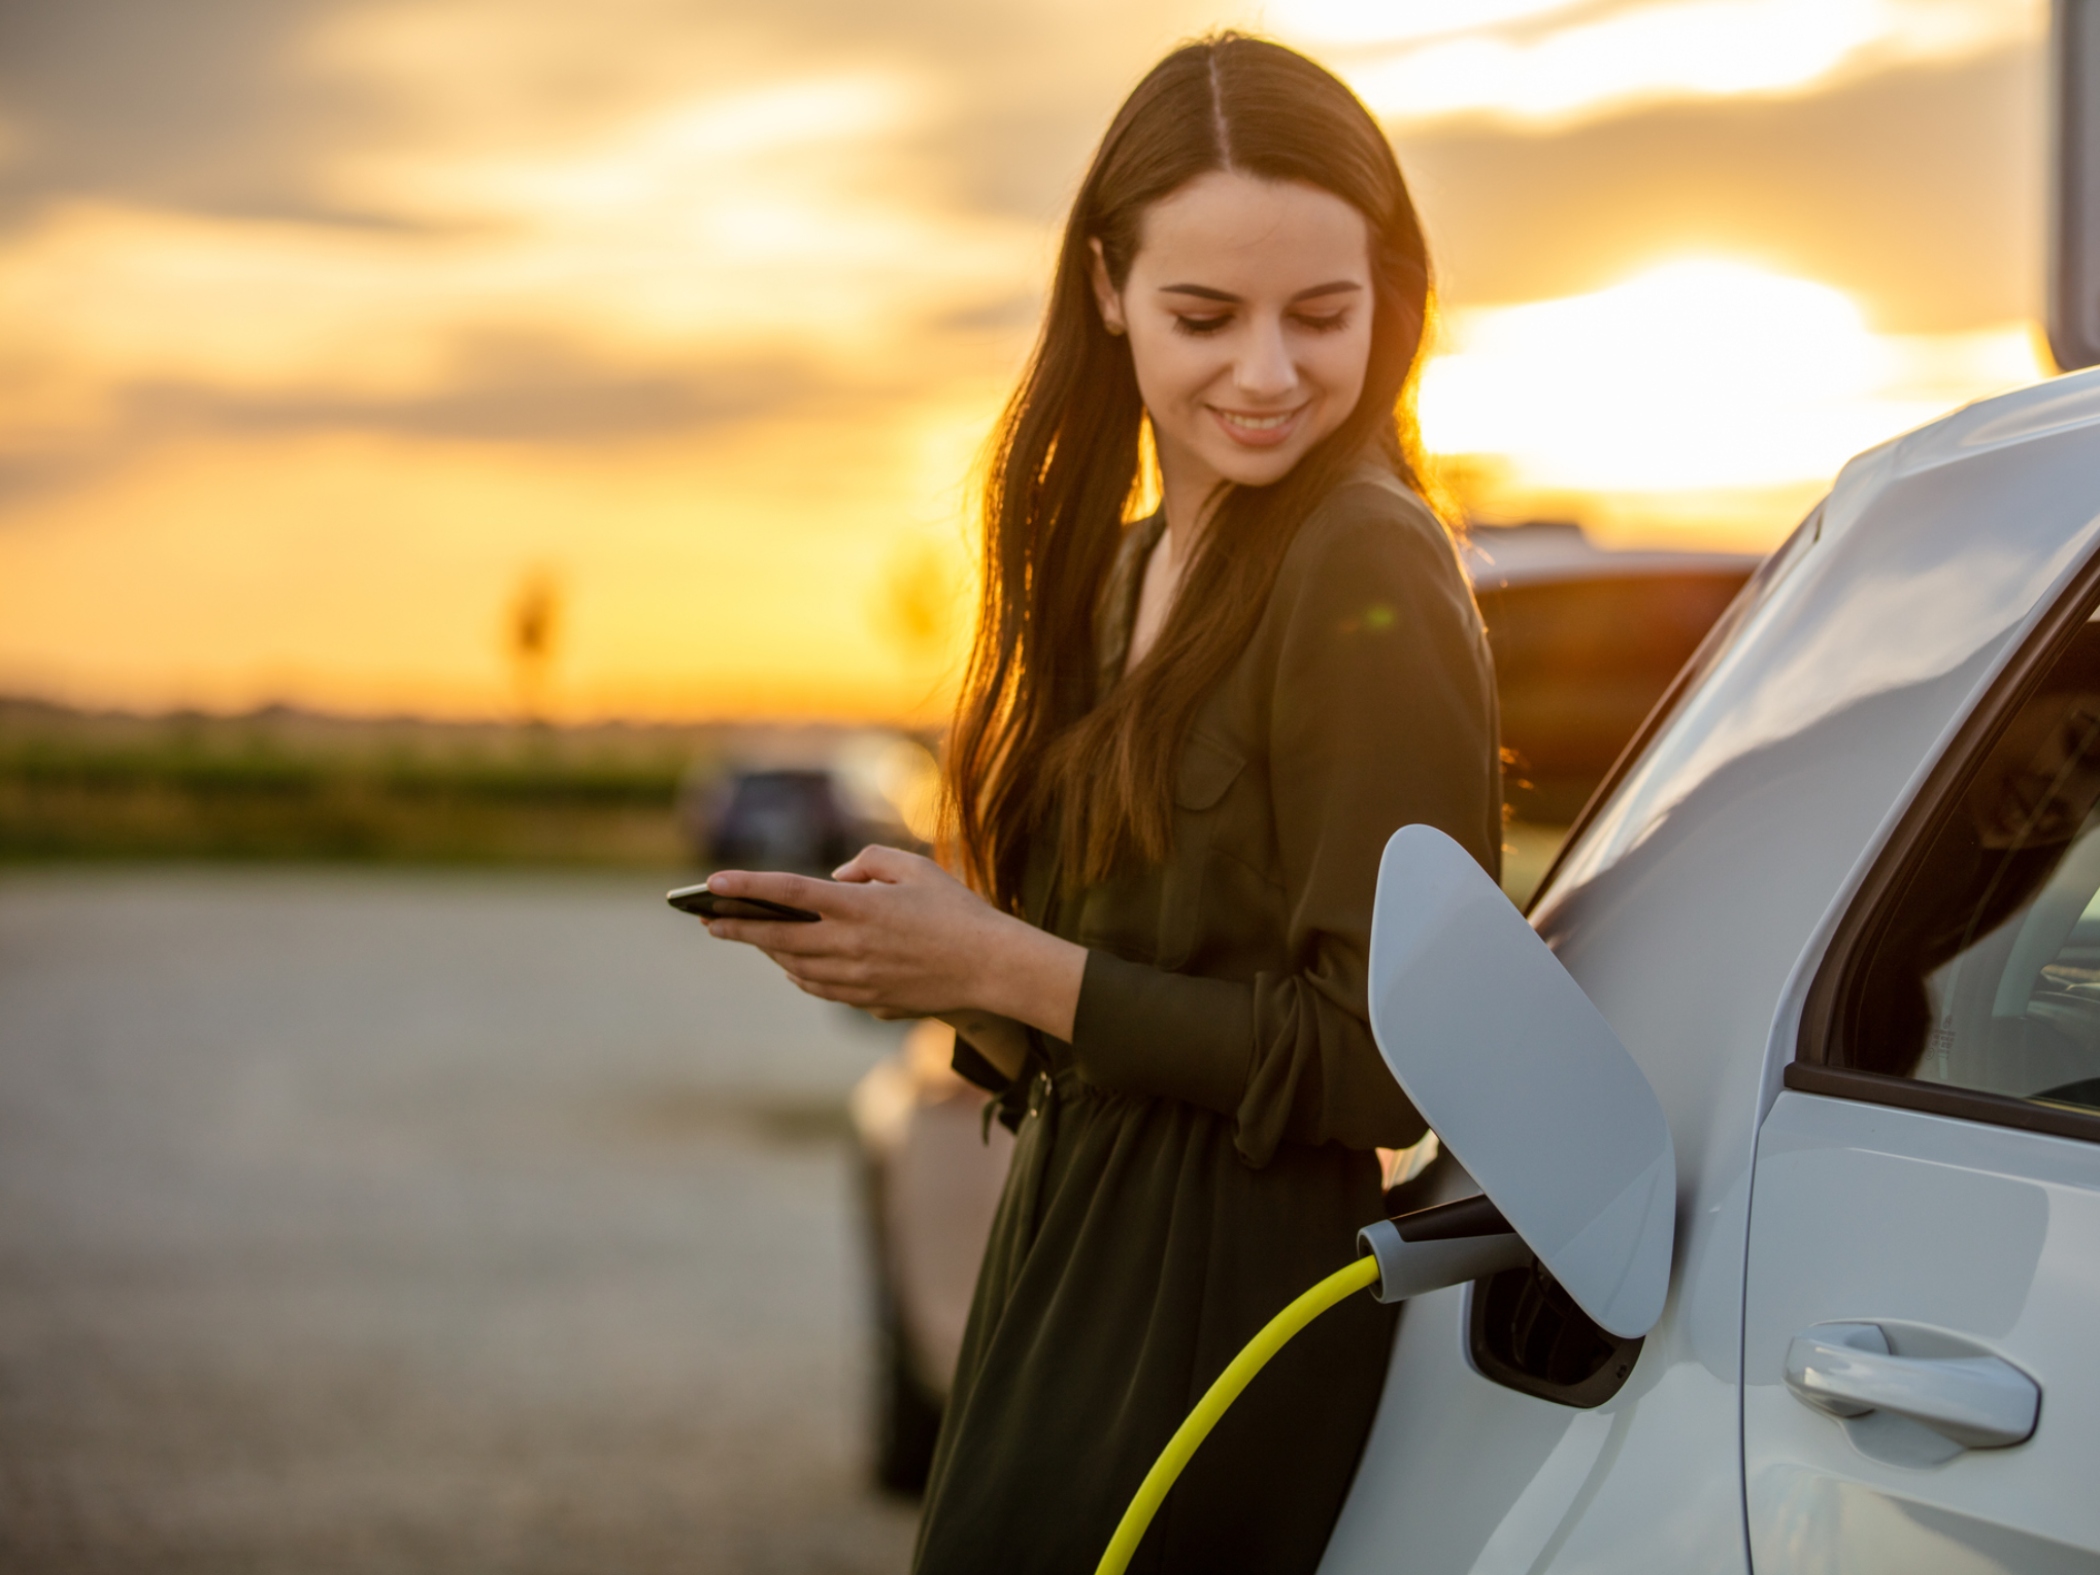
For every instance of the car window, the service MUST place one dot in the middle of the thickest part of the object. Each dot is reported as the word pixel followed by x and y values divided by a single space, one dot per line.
pixel 1982 969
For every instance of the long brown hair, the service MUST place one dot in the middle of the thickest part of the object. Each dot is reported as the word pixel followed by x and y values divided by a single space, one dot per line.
pixel 1030 742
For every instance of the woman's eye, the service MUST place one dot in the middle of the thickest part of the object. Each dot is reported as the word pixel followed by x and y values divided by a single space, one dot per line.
pixel 1331 323
pixel 1199 325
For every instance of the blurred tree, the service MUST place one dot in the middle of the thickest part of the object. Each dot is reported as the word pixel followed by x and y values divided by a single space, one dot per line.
pixel 530 634
pixel 916 607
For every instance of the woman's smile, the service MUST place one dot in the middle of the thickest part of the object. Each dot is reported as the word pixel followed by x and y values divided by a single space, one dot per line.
pixel 1253 429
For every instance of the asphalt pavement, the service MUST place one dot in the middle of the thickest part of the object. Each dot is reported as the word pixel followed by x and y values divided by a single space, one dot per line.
pixel 357 1221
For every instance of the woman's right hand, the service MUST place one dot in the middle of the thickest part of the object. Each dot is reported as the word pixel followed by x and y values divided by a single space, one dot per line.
pixel 902 937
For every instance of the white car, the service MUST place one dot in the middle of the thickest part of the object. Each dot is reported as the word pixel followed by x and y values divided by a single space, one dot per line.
pixel 1841 904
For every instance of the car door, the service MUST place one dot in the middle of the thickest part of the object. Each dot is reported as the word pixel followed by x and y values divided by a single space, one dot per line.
pixel 1921 1345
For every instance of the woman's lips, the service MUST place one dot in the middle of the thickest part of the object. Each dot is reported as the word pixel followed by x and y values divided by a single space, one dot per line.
pixel 1257 428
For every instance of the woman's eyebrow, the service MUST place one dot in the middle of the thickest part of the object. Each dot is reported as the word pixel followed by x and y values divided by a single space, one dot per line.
pixel 1205 292
pixel 1332 287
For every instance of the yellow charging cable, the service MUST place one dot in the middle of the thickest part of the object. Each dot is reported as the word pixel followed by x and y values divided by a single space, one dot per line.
pixel 1276 1334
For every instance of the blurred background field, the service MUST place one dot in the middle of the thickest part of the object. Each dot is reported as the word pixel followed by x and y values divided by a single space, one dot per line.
pixel 282 783
pixel 287 784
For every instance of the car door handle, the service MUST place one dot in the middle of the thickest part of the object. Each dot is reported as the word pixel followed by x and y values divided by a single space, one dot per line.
pixel 1847 1369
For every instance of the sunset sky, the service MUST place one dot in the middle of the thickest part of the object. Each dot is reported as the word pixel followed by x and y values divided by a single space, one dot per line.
pixel 329 326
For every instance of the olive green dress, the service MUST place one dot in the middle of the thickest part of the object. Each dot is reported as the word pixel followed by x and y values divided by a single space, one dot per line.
pixel 1200 1153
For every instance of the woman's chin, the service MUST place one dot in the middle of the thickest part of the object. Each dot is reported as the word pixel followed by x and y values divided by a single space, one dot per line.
pixel 1258 467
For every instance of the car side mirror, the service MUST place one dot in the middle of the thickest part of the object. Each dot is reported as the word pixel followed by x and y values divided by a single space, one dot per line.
pixel 1523 1080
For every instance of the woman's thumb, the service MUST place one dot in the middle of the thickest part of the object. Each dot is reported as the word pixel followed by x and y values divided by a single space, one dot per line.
pixel 872 863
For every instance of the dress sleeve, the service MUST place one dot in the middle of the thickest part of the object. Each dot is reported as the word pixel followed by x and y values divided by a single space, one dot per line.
pixel 1381 714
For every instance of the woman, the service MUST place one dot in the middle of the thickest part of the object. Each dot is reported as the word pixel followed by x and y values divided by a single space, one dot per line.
pixel 1182 745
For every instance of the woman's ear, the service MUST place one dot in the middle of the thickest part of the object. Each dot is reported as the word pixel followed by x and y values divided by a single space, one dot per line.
pixel 1105 296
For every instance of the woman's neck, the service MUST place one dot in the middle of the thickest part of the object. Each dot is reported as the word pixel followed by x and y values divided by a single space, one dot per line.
pixel 1187 494
pixel 1161 578
pixel 1188 490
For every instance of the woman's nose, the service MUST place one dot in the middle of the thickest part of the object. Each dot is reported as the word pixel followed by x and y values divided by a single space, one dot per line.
pixel 1265 369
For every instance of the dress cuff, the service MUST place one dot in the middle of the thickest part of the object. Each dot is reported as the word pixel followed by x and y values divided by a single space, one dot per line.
pixel 972 1067
pixel 1142 1030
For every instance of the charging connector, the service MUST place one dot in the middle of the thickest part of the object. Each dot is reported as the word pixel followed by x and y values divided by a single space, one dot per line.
pixel 1434 1248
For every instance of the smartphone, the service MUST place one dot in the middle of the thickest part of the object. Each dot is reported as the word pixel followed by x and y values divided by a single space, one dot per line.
pixel 704 903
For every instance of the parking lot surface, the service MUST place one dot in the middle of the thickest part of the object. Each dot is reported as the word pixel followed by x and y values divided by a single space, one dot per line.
pixel 410 1222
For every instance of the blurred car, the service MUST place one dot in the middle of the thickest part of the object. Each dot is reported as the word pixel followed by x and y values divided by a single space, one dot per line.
pixel 1586 641
pixel 931 1168
pixel 813 814
pixel 780 820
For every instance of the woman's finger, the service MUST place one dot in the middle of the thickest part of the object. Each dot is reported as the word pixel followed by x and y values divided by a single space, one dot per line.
pixel 843 994
pixel 836 981
pixel 833 899
pixel 785 937
pixel 822 970
pixel 878 863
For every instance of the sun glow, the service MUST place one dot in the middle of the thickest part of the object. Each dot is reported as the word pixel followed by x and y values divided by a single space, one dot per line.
pixel 1696 375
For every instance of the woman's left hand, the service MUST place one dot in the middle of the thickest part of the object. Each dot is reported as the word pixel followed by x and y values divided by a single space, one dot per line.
pixel 900 937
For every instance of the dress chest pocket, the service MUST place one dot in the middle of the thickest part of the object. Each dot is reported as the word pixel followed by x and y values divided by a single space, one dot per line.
pixel 1208 769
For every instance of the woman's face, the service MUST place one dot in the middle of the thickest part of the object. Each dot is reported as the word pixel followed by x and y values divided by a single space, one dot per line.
pixel 1248 309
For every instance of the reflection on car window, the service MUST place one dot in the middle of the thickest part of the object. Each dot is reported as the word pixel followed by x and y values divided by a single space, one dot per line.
pixel 1985 973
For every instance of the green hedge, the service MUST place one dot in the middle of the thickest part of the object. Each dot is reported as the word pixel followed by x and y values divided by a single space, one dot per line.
pixel 74 785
